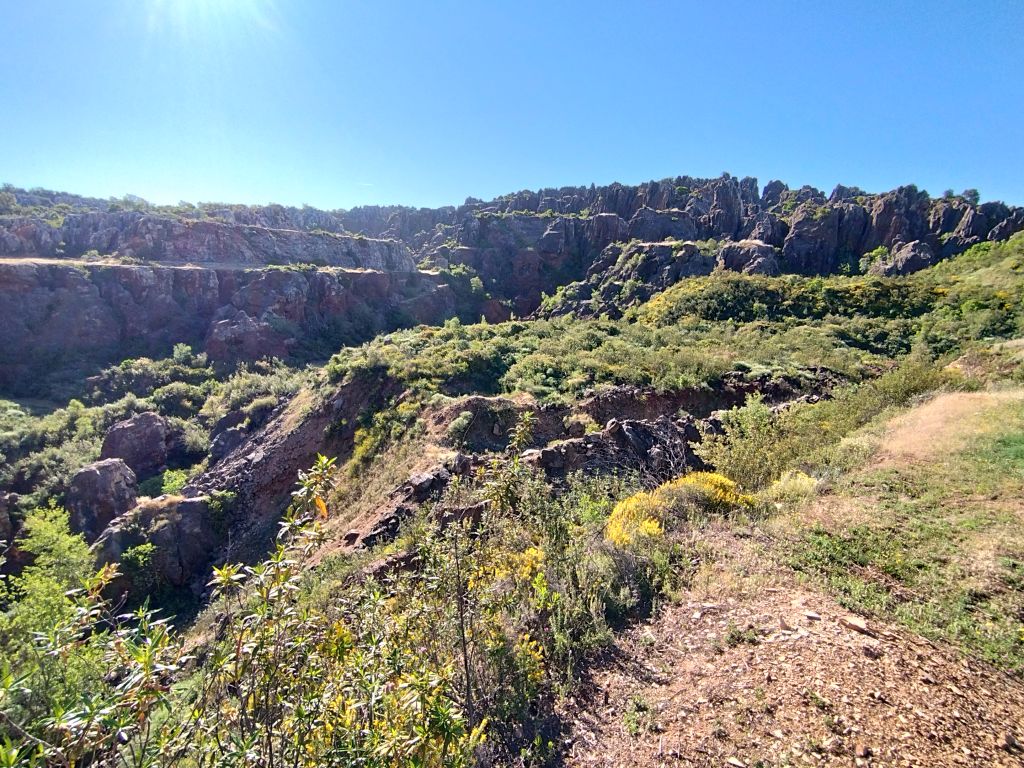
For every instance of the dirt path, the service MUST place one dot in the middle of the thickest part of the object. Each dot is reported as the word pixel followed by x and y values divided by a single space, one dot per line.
pixel 755 667
pixel 940 425
pixel 788 677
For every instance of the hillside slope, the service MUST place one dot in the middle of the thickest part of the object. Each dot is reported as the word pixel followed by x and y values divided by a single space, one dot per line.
pixel 801 641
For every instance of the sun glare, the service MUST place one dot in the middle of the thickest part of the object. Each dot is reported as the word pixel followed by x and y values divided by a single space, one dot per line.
pixel 192 19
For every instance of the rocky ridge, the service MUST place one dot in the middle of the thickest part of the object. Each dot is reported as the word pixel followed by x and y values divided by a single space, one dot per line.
pixel 653 434
pixel 594 249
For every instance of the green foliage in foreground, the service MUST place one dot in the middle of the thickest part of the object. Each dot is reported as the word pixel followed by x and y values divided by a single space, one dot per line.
pixel 456 659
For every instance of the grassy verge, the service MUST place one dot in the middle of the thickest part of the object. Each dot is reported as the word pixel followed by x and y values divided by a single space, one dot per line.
pixel 935 544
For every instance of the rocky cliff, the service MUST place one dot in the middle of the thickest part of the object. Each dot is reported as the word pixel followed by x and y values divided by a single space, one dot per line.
pixel 53 314
pixel 527 244
pixel 195 273
pixel 134 235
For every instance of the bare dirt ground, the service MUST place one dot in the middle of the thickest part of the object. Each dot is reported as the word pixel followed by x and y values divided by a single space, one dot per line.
pixel 752 667
pixel 785 676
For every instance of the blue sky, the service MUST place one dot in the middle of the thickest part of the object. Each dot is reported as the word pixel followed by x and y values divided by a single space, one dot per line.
pixel 340 103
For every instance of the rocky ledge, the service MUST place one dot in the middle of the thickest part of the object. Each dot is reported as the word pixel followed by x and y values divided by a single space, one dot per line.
pixel 134 235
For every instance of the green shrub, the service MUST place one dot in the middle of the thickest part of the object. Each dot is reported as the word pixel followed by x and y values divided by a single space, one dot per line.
pixel 758 445
pixel 457 429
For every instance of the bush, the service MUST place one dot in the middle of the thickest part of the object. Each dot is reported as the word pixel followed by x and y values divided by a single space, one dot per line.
pixel 179 399
pixel 749 447
pixel 648 514
pixel 350 688
pixel 758 445
pixel 459 425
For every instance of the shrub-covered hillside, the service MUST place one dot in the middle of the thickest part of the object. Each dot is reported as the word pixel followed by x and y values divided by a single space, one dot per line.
pixel 503 503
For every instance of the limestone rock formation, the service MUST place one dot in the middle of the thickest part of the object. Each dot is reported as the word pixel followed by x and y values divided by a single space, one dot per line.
pixel 100 493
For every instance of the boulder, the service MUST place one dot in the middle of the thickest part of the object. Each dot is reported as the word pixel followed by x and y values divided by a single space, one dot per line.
pixel 424 485
pixel 1010 225
pixel 99 494
pixel 141 442
pixel 226 441
pixel 752 257
pixel 945 215
pixel 906 259
pixel 182 532
pixel 973 226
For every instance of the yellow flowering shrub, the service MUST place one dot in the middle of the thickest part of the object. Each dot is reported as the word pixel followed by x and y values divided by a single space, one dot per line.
pixel 528 563
pixel 792 486
pixel 633 517
pixel 644 514
pixel 713 491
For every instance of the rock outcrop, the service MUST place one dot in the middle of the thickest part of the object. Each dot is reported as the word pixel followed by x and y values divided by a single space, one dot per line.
pixel 812 243
pixel 661 448
pixel 185 536
pixel 53 315
pixel 519 259
pixel 628 274
pixel 605 247
pixel 908 258
pixel 752 257
pixel 142 442
pixel 225 442
pixel 136 235
pixel 99 494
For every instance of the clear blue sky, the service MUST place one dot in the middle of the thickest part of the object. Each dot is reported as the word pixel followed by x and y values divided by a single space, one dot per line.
pixel 339 103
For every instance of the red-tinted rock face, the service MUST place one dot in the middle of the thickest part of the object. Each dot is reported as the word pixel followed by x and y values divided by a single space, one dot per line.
pixel 52 314
pixel 522 246
pixel 141 442
pixel 99 494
